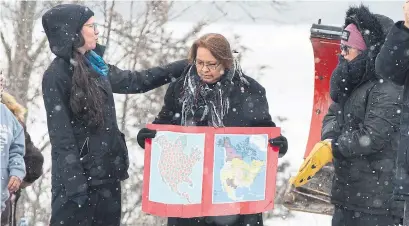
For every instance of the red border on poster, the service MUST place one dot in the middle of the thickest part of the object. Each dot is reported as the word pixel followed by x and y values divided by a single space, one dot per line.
pixel 207 208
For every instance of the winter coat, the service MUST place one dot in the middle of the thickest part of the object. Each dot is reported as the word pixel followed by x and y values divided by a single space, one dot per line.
pixel 82 157
pixel 248 108
pixel 367 143
pixel 12 151
pixel 33 158
pixel 364 128
pixel 392 64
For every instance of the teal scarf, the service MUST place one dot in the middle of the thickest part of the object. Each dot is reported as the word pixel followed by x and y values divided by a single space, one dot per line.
pixel 97 63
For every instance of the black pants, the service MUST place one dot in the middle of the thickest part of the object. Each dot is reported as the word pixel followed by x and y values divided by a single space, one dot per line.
pixel 233 220
pixel 6 217
pixel 103 208
pixel 344 217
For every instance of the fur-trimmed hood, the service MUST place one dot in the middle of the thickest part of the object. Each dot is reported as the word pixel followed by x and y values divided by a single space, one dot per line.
pixel 33 158
pixel 369 26
pixel 18 110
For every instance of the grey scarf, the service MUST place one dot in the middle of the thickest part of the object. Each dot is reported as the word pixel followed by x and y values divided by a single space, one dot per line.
pixel 204 104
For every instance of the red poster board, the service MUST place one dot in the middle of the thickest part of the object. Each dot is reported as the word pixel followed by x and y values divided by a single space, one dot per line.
pixel 206 207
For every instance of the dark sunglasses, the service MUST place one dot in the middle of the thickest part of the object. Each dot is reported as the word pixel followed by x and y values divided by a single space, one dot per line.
pixel 344 48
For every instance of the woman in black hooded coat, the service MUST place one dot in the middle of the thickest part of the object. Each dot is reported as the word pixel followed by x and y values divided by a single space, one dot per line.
pixel 392 64
pixel 89 153
pixel 363 126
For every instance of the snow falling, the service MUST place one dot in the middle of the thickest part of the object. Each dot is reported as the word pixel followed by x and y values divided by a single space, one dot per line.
pixel 289 86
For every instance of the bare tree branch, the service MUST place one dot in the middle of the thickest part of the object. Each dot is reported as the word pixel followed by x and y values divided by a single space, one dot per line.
pixel 39 48
pixel 247 12
pixel 109 23
pixel 7 47
pixel 37 93
pixel 180 13
pixel 9 8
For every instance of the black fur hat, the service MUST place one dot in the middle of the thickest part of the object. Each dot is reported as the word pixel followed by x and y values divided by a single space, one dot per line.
pixel 369 26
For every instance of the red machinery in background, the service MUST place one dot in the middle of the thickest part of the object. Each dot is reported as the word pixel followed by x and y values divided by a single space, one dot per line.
pixel 314 197
pixel 325 41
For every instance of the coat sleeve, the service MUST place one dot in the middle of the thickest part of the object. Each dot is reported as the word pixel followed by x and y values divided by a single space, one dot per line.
pixel 392 61
pixel 129 82
pixel 64 145
pixel 258 110
pixel 330 126
pixel 16 164
pixel 168 114
pixel 381 121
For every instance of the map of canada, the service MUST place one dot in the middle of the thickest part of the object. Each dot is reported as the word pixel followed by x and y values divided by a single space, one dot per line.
pixel 177 166
pixel 239 168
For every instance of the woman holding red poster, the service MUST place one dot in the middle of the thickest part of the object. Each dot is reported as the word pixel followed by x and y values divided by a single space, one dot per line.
pixel 214 92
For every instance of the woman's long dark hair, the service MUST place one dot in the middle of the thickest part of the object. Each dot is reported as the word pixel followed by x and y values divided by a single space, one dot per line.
pixel 86 99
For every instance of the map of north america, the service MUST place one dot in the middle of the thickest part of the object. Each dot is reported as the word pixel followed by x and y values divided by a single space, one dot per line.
pixel 239 165
pixel 177 164
pixel 177 168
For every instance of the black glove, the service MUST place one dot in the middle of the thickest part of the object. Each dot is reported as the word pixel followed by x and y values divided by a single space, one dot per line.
pixel 280 142
pixel 335 150
pixel 143 134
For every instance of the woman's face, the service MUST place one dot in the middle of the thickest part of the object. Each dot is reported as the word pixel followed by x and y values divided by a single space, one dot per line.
pixel 208 67
pixel 90 33
pixel 349 53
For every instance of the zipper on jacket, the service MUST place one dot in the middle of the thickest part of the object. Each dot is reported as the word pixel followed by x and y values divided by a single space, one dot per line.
pixel 83 145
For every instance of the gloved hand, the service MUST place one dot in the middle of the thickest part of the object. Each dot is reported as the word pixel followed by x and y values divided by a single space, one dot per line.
pixel 80 199
pixel 280 142
pixel 143 134
pixel 320 155
pixel 336 153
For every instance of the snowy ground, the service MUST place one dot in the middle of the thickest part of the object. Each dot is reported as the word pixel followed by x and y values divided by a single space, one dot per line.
pixel 301 219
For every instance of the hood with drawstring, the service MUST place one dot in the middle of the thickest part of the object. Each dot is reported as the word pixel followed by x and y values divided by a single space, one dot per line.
pixel 62 24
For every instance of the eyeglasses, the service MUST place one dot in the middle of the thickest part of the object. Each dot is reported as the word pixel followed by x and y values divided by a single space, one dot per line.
pixel 211 67
pixel 93 25
pixel 345 48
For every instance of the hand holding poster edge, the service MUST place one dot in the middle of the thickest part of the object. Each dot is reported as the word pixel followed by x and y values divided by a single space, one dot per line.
pixel 206 207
